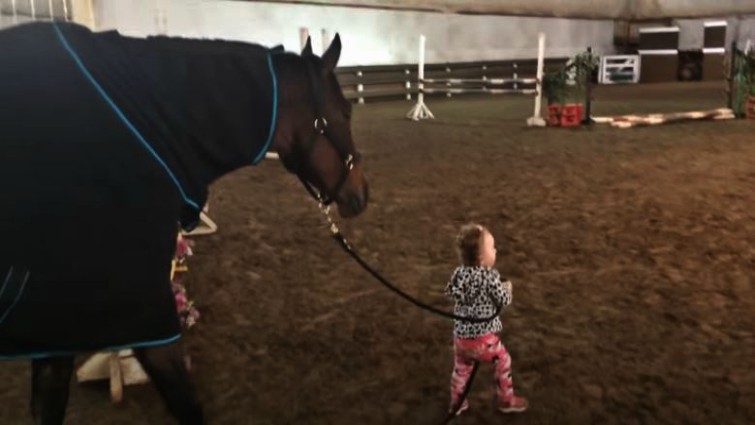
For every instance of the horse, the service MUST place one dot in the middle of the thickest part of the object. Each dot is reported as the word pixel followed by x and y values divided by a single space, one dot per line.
pixel 103 133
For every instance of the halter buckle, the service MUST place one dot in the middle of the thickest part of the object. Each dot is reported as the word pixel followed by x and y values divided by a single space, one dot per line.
pixel 320 125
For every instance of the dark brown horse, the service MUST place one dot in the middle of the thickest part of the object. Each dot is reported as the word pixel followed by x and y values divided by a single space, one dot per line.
pixel 104 133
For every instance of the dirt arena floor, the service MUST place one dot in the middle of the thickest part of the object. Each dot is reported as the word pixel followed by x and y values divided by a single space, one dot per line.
pixel 632 254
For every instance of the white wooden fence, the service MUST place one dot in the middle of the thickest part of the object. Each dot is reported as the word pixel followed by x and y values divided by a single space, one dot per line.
pixel 619 69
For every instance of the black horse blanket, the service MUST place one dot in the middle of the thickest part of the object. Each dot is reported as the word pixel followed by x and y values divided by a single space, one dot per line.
pixel 106 142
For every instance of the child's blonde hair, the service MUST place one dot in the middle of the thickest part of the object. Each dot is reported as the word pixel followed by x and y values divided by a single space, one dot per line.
pixel 468 243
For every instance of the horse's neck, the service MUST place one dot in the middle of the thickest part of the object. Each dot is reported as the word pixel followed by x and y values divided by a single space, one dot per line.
pixel 207 106
pixel 219 100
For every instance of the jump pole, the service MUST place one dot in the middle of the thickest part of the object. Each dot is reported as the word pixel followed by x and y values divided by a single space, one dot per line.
pixel 420 111
pixel 536 120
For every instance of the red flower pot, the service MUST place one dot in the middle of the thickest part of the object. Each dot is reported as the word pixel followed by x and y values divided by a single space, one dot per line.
pixel 571 115
pixel 554 115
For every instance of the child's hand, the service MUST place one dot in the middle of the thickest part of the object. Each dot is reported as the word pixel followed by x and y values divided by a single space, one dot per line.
pixel 508 287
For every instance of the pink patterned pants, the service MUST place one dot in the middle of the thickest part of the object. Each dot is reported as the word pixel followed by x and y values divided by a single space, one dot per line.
pixel 487 348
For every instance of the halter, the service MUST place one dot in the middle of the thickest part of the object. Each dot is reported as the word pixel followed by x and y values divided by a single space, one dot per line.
pixel 320 128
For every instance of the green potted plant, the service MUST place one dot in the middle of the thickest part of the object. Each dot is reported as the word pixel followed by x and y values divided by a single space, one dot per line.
pixel 748 65
pixel 555 90
pixel 554 86
pixel 584 68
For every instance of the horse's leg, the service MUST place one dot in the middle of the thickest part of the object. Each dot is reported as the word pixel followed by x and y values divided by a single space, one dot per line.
pixel 166 367
pixel 50 385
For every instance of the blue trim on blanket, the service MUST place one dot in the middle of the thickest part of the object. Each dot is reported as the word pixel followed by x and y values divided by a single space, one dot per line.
pixel 43 355
pixel 274 118
pixel 18 297
pixel 120 114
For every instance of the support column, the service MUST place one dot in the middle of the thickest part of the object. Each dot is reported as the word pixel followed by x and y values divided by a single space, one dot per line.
pixel 714 51
pixel 83 12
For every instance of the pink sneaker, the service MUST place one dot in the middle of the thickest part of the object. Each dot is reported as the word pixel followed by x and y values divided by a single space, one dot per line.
pixel 463 407
pixel 516 405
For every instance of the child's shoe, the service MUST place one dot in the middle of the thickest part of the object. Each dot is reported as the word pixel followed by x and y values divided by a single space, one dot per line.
pixel 515 405
pixel 463 407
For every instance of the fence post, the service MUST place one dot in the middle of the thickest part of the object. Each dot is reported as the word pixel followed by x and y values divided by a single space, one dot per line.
pixel 408 84
pixel 515 76
pixel 448 75
pixel 360 88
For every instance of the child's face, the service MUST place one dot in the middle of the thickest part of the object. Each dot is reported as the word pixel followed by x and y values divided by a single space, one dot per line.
pixel 487 251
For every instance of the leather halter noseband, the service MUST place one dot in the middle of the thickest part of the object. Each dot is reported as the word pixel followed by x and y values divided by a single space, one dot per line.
pixel 320 128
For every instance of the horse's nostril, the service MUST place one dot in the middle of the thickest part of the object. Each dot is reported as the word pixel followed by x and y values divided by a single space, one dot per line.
pixel 354 203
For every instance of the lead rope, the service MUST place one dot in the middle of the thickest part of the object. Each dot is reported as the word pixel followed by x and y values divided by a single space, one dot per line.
pixel 338 236
pixel 335 232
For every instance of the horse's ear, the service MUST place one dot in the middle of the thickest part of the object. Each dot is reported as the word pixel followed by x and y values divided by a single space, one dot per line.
pixel 331 56
pixel 278 49
pixel 307 50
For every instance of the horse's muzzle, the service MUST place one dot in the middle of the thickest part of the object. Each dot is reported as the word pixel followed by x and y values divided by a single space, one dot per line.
pixel 354 203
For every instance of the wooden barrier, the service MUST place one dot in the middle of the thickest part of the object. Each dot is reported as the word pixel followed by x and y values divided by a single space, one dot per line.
pixel 365 84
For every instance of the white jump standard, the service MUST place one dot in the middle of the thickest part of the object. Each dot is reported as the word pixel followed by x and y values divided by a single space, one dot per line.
pixel 476 85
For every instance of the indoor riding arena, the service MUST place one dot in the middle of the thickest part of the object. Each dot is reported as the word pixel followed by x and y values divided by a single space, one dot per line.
pixel 629 237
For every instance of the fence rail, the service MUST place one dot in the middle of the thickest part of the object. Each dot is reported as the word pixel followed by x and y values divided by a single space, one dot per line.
pixel 372 83
pixel 19 11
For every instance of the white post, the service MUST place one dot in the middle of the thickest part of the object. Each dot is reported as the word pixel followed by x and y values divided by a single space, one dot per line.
pixel 82 12
pixel 33 10
pixel 325 38
pixel 161 17
pixel 536 120
pixel 420 110
pixel 49 4
pixel 15 13
pixel 421 63
pixel 303 35
pixel 65 10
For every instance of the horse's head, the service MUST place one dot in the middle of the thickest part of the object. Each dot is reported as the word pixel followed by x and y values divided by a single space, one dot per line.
pixel 313 138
